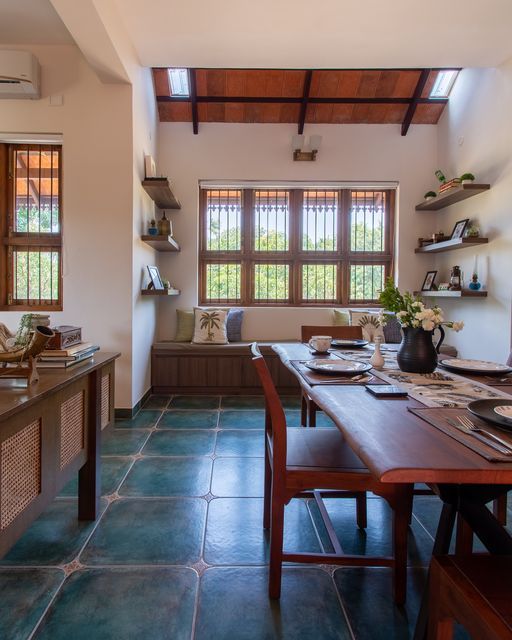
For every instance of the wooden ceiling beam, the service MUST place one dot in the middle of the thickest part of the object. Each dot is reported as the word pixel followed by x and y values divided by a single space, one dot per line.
pixel 304 101
pixel 193 100
pixel 422 81
pixel 311 100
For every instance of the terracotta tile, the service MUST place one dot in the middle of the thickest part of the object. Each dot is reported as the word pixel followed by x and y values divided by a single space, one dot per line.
pixel 361 113
pixel 368 84
pixel 216 112
pixel 342 113
pixel 289 113
pixel 256 83
pixel 387 83
pixel 294 83
pixel 216 82
pixel 396 113
pixel 174 111
pixel 236 82
pixel 161 80
pixel 275 83
pixel 201 83
pixel 320 113
pixel 348 83
pixel 432 77
pixel 234 112
pixel 406 84
pixel 324 84
pixel 428 113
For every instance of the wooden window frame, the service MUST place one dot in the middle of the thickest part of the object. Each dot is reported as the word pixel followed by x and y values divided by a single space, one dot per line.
pixel 10 239
pixel 343 257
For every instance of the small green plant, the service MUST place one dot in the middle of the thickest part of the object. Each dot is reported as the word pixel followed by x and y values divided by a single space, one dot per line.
pixel 430 194
pixel 467 176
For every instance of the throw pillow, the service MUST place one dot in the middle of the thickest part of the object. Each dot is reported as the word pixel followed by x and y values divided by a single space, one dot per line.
pixel 341 318
pixel 210 326
pixel 392 330
pixel 234 325
pixel 369 322
pixel 184 325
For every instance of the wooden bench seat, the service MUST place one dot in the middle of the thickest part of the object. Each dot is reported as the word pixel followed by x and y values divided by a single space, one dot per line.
pixel 183 367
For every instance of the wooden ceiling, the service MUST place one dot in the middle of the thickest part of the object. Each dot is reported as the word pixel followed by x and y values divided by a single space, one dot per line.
pixel 372 96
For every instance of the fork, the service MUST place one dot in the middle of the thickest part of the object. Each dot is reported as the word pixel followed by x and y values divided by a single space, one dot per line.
pixel 471 426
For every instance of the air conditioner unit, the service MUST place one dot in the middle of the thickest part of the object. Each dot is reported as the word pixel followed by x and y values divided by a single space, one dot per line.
pixel 19 75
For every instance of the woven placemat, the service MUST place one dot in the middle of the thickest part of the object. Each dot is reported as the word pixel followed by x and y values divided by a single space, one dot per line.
pixel 437 417
pixel 313 378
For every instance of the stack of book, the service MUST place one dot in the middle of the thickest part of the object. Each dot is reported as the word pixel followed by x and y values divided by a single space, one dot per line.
pixel 450 184
pixel 64 358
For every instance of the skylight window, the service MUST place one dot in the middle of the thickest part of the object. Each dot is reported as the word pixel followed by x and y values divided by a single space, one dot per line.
pixel 179 82
pixel 444 83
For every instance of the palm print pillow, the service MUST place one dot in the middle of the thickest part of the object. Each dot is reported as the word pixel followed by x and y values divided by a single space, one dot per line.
pixel 210 326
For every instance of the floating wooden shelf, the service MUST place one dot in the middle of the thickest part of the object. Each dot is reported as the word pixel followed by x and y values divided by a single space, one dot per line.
pixel 450 245
pixel 465 293
pixel 160 292
pixel 452 196
pixel 161 243
pixel 160 192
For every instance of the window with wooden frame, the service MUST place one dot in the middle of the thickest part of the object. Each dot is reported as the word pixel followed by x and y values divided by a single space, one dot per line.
pixel 31 227
pixel 297 247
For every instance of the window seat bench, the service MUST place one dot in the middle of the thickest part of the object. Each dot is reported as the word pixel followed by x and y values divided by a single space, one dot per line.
pixel 183 367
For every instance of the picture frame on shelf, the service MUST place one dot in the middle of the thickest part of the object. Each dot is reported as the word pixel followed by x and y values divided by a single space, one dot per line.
pixel 428 283
pixel 459 228
pixel 155 279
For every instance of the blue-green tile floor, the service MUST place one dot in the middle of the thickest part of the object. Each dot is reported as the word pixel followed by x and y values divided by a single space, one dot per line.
pixel 179 551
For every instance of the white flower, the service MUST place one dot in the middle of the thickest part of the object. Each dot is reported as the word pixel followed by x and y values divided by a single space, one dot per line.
pixel 428 325
pixel 457 326
pixel 401 314
pixel 415 324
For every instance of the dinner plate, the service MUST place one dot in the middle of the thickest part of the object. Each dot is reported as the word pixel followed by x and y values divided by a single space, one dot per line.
pixel 338 367
pixel 339 342
pixel 476 366
pixel 504 410
pixel 485 409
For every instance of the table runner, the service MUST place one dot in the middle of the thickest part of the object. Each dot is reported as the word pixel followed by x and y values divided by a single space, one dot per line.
pixel 438 389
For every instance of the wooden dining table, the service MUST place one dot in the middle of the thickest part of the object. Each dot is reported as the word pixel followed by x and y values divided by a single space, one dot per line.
pixel 398 446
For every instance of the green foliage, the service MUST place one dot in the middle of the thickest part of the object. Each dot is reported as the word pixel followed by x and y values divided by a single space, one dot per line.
pixel 467 176
pixel 390 297
pixel 430 194
pixel 272 280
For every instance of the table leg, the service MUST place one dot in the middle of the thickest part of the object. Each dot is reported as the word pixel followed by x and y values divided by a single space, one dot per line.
pixel 89 474
pixel 469 501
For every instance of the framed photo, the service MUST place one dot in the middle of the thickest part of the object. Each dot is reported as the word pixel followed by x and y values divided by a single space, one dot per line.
pixel 155 279
pixel 428 283
pixel 459 228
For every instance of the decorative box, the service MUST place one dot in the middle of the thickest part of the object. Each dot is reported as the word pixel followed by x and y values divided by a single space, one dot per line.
pixel 65 336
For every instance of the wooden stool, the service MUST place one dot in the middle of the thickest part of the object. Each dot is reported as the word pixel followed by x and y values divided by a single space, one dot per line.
pixel 476 591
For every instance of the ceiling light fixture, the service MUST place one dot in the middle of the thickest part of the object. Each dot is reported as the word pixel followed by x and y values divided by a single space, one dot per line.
pixel 444 83
pixel 179 82
pixel 303 150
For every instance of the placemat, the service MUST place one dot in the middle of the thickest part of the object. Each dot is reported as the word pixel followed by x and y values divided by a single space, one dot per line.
pixel 313 378
pixel 437 418
pixel 497 381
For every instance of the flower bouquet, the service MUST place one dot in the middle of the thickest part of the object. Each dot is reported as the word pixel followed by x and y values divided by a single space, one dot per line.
pixel 417 353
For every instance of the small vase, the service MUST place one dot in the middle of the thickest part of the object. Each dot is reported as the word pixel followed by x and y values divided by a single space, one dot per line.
pixel 417 352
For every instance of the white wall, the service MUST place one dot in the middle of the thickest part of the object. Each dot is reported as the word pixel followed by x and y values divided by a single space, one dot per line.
pixel 96 122
pixel 475 134
pixel 263 152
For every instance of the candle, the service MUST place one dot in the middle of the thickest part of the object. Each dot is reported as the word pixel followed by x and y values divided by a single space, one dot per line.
pixel 475 266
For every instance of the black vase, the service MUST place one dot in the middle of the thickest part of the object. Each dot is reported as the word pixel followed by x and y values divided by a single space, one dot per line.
pixel 417 352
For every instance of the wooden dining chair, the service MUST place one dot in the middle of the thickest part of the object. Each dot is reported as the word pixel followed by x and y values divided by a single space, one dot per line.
pixel 308 406
pixel 475 591
pixel 302 463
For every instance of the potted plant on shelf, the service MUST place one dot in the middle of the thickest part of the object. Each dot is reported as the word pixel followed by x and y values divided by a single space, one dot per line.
pixel 467 178
pixel 429 195
pixel 417 352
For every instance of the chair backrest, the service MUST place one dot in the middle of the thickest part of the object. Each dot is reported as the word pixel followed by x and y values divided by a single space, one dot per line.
pixel 275 423
pixel 335 331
